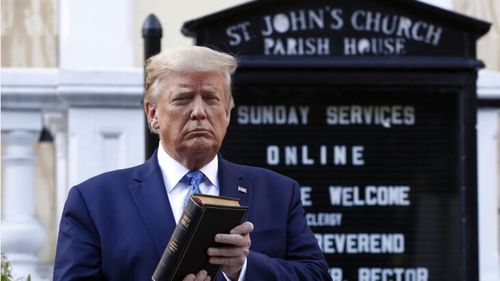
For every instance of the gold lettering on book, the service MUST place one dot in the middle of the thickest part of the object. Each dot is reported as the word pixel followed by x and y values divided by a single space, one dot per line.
pixel 185 220
pixel 172 246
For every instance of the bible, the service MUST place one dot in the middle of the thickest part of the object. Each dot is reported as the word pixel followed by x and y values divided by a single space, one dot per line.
pixel 203 217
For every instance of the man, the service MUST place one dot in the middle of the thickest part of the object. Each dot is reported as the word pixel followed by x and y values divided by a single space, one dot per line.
pixel 116 226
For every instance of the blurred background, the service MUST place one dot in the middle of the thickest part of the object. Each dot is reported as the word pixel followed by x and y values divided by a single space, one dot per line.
pixel 71 91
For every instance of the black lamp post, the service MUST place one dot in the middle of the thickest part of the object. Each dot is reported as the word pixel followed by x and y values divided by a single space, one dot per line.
pixel 151 33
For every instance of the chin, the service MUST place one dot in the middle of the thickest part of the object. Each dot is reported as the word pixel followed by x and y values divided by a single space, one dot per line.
pixel 203 148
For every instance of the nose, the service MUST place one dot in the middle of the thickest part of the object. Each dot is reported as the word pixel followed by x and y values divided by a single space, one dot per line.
pixel 198 111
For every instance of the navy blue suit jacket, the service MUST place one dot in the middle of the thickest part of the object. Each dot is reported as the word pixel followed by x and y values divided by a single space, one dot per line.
pixel 115 226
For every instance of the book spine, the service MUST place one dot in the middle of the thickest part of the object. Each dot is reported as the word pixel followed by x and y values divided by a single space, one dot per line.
pixel 171 258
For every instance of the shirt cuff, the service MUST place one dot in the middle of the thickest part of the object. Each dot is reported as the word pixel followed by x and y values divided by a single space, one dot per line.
pixel 242 273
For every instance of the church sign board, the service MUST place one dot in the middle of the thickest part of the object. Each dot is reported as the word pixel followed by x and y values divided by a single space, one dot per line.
pixel 370 105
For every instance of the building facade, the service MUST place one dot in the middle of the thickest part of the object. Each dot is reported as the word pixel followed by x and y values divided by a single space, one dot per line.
pixel 73 69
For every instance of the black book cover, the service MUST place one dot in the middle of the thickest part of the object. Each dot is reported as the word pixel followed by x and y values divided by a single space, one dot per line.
pixel 204 216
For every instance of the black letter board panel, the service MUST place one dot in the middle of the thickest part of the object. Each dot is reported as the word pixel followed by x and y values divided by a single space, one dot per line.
pixel 377 169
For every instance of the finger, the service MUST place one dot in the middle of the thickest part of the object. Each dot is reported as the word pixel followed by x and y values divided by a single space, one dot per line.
pixel 225 261
pixel 244 228
pixel 228 252
pixel 233 239
pixel 201 275
pixel 189 277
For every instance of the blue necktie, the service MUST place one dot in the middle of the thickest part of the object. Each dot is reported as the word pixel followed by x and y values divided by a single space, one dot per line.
pixel 193 179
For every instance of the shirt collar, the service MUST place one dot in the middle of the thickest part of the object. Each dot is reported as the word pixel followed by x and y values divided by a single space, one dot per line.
pixel 173 171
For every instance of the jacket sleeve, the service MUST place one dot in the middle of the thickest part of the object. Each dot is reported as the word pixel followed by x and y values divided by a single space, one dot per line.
pixel 303 258
pixel 78 250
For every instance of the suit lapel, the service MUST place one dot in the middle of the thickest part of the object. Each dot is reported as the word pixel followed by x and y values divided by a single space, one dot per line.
pixel 150 197
pixel 232 182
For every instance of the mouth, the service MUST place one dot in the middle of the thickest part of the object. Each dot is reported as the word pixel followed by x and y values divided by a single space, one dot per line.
pixel 198 132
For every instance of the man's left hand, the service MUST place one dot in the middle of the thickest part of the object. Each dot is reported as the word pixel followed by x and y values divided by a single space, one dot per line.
pixel 233 256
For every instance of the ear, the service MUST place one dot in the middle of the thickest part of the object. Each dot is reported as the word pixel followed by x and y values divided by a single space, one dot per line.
pixel 150 110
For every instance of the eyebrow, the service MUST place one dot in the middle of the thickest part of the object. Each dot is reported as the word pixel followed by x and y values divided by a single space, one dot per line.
pixel 209 88
pixel 183 88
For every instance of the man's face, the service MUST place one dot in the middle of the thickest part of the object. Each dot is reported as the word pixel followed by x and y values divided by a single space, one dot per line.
pixel 193 116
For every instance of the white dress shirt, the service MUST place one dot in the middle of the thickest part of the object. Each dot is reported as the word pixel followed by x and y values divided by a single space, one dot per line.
pixel 173 171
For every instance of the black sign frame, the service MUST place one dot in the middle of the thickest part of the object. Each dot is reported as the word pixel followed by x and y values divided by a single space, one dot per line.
pixel 443 69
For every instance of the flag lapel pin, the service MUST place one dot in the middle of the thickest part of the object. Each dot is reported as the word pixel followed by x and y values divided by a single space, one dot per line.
pixel 242 189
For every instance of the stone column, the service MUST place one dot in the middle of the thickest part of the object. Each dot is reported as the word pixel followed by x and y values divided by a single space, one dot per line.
pixel 487 145
pixel 22 234
pixel 56 123
pixel 488 131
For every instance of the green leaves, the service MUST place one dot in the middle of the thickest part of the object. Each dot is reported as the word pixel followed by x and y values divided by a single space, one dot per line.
pixel 6 274
pixel 6 271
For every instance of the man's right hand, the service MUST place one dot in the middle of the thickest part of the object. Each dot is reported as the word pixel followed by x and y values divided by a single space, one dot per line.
pixel 200 276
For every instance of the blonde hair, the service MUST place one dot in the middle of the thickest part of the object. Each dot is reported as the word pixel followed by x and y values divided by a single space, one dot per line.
pixel 187 59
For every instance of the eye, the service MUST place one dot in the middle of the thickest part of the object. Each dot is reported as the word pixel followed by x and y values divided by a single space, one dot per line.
pixel 211 98
pixel 182 99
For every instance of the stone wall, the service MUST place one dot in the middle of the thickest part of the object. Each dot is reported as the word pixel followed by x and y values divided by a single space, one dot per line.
pixel 29 33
